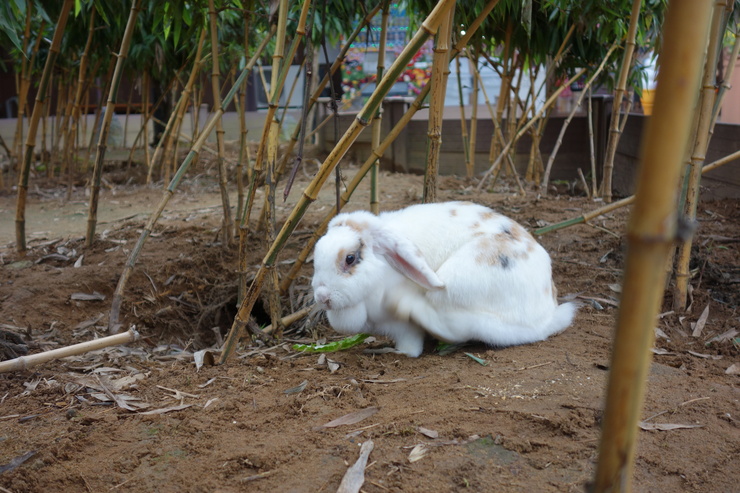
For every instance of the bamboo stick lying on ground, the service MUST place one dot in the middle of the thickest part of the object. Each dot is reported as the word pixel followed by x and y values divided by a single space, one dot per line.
pixel 25 362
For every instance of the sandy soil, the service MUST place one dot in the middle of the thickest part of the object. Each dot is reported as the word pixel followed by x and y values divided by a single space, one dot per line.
pixel 528 420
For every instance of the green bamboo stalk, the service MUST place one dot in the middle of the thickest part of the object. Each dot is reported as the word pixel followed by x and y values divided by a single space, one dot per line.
pixel 614 133
pixel 113 320
pixel 92 217
pixel 428 28
pixel 699 151
pixel 20 213
pixel 81 85
pixel 566 122
pixel 652 231
pixel 377 121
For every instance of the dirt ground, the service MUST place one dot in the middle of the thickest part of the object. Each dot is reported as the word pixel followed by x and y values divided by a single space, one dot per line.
pixel 143 418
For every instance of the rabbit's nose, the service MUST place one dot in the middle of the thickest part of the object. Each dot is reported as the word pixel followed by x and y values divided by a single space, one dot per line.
pixel 323 297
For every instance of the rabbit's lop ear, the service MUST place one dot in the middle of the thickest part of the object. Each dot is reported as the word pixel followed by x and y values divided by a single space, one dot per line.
pixel 404 256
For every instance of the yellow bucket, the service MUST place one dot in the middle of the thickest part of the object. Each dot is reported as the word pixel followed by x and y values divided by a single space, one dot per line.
pixel 647 101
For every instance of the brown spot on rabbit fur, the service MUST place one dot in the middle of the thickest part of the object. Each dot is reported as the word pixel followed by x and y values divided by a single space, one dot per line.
pixel 453 212
pixel 342 267
pixel 501 249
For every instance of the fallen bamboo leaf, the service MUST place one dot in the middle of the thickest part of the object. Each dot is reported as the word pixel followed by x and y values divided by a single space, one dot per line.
pixel 210 401
pixel 352 418
pixel 331 347
pixel 209 382
pixel 725 336
pixel 428 433
pixel 418 453
pixel 478 360
pixel 89 322
pixel 167 409
pixel 617 288
pixel 705 356
pixel 733 369
pixel 297 389
pixel 354 478
pixel 95 296
pixel 332 365
pixel 662 352
pixel 701 322
pixel 78 262
pixel 665 426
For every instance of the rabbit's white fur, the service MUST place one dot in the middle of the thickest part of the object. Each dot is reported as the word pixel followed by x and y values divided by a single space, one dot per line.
pixel 456 270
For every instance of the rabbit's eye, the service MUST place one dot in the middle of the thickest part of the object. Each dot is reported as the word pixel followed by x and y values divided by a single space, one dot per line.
pixel 350 259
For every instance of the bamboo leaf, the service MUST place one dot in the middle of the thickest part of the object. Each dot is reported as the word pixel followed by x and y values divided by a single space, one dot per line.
pixel 352 418
pixel 332 347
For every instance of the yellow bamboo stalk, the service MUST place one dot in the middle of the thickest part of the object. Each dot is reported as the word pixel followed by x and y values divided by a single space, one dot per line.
pixel 551 100
pixel 23 363
pixel 463 120
pixel 440 71
pixel 241 101
pixel 20 213
pixel 586 88
pixel 169 135
pixel 92 217
pixel 227 227
pixel 699 151
pixel 69 142
pixel 614 132
pixel 651 233
pixel 376 124
pixel 25 77
pixel 428 28
pixel 322 85
pixel 473 60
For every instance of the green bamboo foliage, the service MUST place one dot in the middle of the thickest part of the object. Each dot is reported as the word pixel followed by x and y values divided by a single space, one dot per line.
pixel 440 71
pixel 651 233
pixel 92 217
pixel 227 229
pixel 20 212
pixel 699 150
pixel 377 122
pixel 429 27
pixel 113 320
pixel 614 131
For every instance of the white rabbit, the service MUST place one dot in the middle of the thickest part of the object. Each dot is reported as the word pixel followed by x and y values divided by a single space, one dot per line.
pixel 456 270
